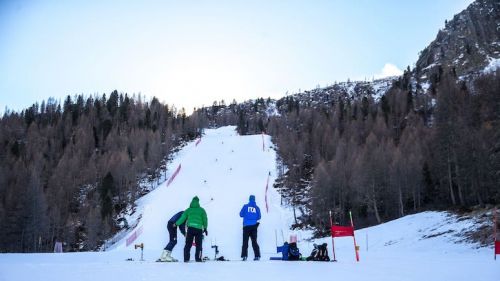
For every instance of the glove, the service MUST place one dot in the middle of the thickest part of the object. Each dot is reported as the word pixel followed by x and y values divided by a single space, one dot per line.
pixel 206 232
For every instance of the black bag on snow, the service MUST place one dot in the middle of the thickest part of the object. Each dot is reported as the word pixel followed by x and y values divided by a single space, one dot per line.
pixel 320 253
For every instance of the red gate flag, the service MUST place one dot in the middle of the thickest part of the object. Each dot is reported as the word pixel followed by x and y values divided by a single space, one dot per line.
pixel 342 231
pixel 497 247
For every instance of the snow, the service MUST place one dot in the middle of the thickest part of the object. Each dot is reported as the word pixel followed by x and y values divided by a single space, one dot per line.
pixel 272 109
pixel 425 86
pixel 429 66
pixel 492 66
pixel 423 246
pixel 381 86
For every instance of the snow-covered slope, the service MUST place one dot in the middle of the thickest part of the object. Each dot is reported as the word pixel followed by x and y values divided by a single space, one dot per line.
pixel 223 170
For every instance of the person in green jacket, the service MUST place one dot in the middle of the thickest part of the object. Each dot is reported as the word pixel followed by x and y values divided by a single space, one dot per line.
pixel 197 223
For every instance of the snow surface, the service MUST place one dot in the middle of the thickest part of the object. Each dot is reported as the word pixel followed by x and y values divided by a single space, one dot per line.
pixel 419 247
pixel 493 65
pixel 381 86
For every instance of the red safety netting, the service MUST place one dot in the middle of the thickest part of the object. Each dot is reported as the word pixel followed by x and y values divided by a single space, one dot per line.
pixel 174 175
pixel 267 187
pixel 341 231
pixel 134 236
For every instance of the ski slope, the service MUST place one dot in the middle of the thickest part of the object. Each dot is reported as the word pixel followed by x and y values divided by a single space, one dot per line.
pixel 223 170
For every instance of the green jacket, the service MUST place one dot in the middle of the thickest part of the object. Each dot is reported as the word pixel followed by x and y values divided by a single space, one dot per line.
pixel 195 215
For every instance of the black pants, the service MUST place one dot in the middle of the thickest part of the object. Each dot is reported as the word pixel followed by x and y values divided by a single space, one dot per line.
pixel 172 233
pixel 250 231
pixel 197 235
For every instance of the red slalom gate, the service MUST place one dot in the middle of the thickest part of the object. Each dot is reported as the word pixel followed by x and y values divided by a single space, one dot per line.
pixel 343 231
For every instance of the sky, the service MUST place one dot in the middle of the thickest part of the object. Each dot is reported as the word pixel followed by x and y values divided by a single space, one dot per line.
pixel 191 53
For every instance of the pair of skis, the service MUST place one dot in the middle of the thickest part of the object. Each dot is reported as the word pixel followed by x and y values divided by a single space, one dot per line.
pixel 205 259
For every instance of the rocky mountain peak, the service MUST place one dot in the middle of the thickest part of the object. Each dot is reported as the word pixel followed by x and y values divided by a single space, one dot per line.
pixel 467 43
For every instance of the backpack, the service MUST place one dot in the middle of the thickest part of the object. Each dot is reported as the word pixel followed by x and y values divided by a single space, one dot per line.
pixel 293 252
pixel 320 253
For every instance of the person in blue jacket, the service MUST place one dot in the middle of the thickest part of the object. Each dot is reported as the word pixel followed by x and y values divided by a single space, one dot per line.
pixel 251 216
pixel 166 256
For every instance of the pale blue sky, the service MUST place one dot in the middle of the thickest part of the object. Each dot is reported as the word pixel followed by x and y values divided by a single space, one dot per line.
pixel 192 52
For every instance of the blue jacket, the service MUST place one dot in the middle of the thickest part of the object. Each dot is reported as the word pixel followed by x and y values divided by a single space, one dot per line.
pixel 173 219
pixel 250 212
pixel 283 250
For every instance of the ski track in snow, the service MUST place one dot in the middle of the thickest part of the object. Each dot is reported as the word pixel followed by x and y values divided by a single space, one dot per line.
pixel 234 167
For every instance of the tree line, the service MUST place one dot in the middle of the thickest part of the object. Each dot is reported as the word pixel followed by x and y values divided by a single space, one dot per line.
pixel 70 171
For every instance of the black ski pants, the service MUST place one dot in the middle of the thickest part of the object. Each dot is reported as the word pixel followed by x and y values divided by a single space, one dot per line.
pixel 250 231
pixel 196 235
pixel 172 233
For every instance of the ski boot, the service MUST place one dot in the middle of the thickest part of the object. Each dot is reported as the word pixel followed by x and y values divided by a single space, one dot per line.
pixel 163 256
pixel 166 256
pixel 169 258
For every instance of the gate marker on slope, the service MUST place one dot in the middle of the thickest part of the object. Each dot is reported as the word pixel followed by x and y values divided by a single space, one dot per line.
pixel 142 250
pixel 342 231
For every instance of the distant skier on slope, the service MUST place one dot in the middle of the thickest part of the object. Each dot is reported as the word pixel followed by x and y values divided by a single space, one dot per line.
pixel 166 256
pixel 250 213
pixel 197 223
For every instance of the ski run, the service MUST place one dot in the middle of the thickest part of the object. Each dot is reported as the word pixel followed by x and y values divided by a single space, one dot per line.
pixel 223 169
